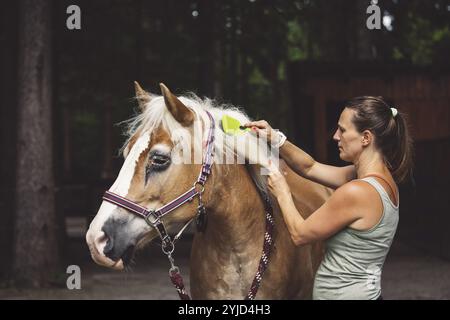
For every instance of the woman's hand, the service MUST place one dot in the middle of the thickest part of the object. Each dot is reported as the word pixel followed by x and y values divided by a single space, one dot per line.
pixel 277 183
pixel 263 129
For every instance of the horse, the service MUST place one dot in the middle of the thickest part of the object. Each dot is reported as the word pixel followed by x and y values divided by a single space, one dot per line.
pixel 226 251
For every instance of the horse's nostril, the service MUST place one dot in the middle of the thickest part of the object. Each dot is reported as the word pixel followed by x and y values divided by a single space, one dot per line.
pixel 109 245
pixel 116 239
pixel 100 241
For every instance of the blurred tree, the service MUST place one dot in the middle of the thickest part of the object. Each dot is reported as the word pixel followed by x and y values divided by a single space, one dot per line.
pixel 8 134
pixel 420 31
pixel 36 257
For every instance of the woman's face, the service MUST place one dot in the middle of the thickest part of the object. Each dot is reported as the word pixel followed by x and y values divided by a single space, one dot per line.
pixel 350 141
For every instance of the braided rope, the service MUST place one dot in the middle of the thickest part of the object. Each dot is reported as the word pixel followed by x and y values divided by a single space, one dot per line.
pixel 177 281
pixel 267 248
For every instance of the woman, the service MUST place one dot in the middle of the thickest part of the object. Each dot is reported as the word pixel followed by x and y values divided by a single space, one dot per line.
pixel 360 219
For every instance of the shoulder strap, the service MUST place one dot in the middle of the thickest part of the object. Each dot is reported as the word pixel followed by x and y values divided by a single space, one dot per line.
pixel 393 190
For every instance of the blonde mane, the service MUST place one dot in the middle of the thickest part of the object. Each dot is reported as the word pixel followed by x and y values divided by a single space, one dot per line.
pixel 246 148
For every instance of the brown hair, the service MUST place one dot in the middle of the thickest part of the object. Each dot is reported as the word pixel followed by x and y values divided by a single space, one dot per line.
pixel 391 133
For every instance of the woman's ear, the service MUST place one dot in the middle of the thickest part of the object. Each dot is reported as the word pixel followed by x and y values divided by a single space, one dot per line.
pixel 367 138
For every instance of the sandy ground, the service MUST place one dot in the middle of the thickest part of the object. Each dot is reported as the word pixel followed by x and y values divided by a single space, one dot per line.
pixel 408 274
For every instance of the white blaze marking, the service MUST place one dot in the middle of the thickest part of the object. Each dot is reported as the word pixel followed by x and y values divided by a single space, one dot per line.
pixel 122 183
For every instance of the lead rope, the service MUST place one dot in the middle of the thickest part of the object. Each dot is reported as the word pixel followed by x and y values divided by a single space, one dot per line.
pixel 267 246
pixel 177 279
pixel 174 271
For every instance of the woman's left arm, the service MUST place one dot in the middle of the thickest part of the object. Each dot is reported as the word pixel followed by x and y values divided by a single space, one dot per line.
pixel 342 209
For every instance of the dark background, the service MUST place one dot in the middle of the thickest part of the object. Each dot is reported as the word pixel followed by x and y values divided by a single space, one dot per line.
pixel 293 63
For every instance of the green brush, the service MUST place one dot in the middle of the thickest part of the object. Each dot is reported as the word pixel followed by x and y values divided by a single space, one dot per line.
pixel 232 126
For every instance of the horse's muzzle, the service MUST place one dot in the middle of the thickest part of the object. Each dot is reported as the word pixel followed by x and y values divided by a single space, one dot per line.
pixel 96 242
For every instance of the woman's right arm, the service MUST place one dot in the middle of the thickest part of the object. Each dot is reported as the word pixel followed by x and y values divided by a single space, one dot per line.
pixel 305 165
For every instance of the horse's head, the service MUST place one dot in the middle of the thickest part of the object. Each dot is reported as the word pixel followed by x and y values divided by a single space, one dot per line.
pixel 152 175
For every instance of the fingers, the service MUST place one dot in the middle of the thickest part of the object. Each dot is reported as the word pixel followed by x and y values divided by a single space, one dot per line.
pixel 260 124
pixel 274 170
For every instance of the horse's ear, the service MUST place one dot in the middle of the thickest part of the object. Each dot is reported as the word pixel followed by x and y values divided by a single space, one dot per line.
pixel 142 96
pixel 179 111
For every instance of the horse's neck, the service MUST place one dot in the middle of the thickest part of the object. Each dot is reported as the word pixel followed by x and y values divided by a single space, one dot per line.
pixel 236 208
pixel 225 257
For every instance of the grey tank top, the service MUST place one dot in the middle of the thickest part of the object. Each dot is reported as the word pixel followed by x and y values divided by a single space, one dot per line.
pixel 352 265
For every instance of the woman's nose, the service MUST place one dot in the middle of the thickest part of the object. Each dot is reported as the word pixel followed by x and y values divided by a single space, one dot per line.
pixel 336 136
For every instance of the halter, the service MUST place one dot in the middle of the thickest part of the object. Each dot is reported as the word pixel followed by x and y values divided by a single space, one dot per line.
pixel 153 217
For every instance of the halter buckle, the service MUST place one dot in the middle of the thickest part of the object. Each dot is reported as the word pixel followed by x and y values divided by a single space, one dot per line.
pixel 151 218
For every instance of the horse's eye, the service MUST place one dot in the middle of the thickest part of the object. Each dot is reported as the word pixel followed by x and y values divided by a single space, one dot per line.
pixel 159 162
